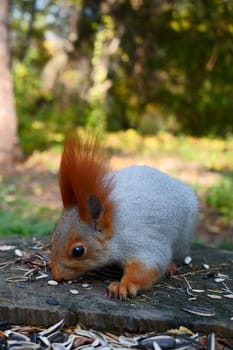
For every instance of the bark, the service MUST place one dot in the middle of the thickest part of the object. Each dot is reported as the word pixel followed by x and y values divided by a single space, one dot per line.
pixel 9 148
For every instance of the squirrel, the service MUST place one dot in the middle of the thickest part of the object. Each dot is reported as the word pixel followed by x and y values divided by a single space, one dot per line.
pixel 139 218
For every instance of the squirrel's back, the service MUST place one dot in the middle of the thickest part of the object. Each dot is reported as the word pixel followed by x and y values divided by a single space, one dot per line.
pixel 154 211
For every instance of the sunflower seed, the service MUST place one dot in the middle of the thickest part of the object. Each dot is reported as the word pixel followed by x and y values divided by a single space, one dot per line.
pixel 44 340
pixel 222 275
pixel 41 276
pixel 211 341
pixel 57 326
pixel 219 280
pixel 14 279
pixel 206 266
pixel 52 301
pixel 228 295
pixel 99 338
pixel 187 260
pixel 74 291
pixel 156 346
pixel 127 341
pixel 163 341
pixel 69 343
pixel 23 345
pixel 56 337
pixel 84 333
pixel 52 283
pixel 214 296
pixel 201 311
pixel 210 274
pixel 17 336
pixel 19 252
pixel 58 346
pixel 190 292
pixel 5 247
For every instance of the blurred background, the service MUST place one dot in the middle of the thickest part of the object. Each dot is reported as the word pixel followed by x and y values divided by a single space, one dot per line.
pixel 154 78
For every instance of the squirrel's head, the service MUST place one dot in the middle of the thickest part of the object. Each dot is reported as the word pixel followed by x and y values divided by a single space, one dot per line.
pixel 76 246
pixel 79 242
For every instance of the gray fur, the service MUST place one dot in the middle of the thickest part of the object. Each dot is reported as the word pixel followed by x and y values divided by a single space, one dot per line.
pixel 155 217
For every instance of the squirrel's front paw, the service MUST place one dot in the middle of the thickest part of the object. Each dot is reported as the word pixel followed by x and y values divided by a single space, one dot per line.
pixel 135 279
pixel 121 290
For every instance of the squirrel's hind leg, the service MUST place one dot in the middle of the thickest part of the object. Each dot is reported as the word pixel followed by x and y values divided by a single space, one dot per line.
pixel 172 269
pixel 136 277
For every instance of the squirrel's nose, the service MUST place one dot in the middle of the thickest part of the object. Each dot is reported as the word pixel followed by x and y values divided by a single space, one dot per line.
pixel 56 271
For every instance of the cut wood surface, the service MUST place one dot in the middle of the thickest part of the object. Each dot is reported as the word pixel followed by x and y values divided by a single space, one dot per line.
pixel 198 297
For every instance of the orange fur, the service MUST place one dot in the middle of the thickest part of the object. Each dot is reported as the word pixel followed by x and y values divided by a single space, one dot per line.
pixel 172 269
pixel 136 277
pixel 83 172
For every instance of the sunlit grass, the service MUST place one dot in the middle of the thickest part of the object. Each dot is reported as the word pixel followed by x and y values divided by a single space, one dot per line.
pixel 213 154
pixel 19 216
pixel 207 164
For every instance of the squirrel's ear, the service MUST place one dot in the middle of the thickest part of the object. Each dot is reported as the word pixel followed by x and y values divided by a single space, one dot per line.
pixel 95 207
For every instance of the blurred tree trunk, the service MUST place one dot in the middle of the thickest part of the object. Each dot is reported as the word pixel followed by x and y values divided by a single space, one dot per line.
pixel 29 33
pixel 9 147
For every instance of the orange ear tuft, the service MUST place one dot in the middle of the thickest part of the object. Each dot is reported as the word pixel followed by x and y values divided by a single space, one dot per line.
pixel 84 173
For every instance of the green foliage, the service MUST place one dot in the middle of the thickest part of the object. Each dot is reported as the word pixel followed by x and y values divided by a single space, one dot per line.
pixel 219 197
pixel 150 66
pixel 42 119
pixel 12 224
pixel 225 244
pixel 18 217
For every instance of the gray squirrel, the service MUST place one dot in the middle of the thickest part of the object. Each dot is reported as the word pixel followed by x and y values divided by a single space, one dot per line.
pixel 138 217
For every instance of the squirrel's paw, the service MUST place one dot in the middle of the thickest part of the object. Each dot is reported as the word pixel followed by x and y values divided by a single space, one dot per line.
pixel 119 290
pixel 135 279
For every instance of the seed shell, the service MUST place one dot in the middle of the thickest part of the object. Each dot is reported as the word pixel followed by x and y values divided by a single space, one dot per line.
pixel 211 342
pixel 222 275
pixel 219 280
pixel 19 252
pixel 228 295
pixel 6 247
pixel 57 326
pixel 44 340
pixel 15 279
pixel 52 283
pixel 74 291
pixel 156 346
pixel 214 296
pixel 187 260
pixel 163 341
pixel 128 341
pixel 206 266
pixel 200 311
pixel 210 274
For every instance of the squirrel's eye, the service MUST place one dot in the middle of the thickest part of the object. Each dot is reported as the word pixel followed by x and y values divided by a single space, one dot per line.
pixel 78 251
